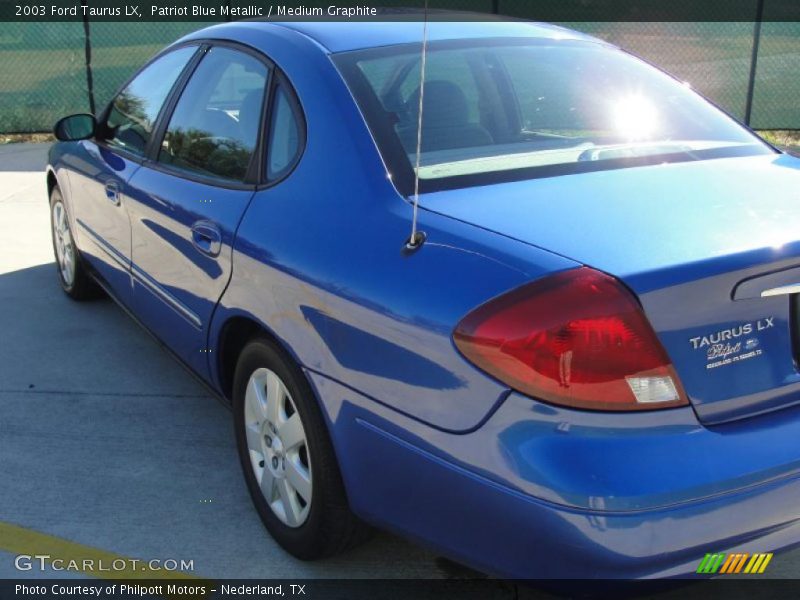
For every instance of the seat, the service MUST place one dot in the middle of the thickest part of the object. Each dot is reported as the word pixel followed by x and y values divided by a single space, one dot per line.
pixel 445 120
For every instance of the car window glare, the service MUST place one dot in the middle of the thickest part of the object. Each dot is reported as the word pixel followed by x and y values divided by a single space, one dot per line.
pixel 214 128
pixel 133 112
pixel 492 106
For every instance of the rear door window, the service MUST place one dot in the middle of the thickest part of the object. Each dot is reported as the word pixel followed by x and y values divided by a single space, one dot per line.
pixel 214 129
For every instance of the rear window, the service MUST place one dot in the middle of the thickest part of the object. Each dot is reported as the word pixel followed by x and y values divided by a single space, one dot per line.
pixel 509 109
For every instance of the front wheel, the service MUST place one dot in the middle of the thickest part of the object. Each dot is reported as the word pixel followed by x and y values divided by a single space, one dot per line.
pixel 287 457
pixel 72 275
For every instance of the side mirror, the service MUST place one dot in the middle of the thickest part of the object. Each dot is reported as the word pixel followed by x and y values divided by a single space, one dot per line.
pixel 75 127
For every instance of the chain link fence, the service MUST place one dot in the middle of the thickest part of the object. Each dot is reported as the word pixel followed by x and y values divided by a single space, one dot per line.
pixel 752 70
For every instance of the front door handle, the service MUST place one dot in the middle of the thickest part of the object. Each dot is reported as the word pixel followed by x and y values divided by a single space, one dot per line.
pixel 112 192
pixel 207 238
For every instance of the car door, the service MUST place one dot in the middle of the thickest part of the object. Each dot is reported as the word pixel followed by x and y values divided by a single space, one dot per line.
pixel 101 168
pixel 186 203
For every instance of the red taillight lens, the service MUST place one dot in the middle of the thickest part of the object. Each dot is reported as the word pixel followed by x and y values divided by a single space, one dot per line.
pixel 577 338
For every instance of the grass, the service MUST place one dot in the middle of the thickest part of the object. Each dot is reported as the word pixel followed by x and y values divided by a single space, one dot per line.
pixel 782 138
pixel 18 138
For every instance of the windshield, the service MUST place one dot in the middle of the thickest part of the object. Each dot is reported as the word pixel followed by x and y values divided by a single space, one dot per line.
pixel 531 108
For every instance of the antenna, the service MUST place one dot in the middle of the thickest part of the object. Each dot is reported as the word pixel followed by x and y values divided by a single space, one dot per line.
pixel 418 237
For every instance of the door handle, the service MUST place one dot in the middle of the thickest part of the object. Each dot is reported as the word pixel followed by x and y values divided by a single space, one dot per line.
pixel 207 238
pixel 112 192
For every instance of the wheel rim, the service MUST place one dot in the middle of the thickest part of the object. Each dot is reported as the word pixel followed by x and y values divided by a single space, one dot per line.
pixel 276 441
pixel 65 249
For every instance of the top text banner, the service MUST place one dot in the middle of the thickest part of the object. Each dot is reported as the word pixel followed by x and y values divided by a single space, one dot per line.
pixel 440 10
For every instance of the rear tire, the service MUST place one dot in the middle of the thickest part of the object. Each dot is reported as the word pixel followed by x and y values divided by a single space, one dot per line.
pixel 72 274
pixel 287 457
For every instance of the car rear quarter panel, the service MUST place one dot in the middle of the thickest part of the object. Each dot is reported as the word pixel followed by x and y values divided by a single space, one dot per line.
pixel 319 261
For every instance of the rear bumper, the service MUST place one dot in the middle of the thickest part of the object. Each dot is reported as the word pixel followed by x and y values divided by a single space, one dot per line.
pixel 517 536
pixel 538 492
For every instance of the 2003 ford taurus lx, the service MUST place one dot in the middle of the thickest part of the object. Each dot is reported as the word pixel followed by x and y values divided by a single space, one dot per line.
pixel 587 349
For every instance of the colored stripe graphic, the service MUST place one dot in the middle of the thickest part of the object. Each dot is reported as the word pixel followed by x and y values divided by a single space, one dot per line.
pixel 734 563
pixel 758 563
pixel 763 566
pixel 729 562
pixel 722 563
pixel 703 563
pixel 711 563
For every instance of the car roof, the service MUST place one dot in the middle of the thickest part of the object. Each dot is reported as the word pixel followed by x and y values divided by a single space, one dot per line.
pixel 339 36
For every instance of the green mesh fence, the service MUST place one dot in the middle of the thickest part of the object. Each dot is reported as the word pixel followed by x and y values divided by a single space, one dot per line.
pixel 713 57
pixel 43 70
pixel 119 49
pixel 42 74
pixel 776 97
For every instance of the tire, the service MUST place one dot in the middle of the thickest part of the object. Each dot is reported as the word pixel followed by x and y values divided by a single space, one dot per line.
pixel 267 435
pixel 72 274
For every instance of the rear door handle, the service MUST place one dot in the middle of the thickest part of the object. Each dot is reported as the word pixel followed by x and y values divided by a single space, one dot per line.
pixel 207 238
pixel 112 192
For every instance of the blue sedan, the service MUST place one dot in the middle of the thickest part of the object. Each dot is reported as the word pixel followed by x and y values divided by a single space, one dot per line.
pixel 534 304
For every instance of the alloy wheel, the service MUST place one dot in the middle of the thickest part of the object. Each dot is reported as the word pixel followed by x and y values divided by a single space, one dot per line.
pixel 278 447
pixel 65 249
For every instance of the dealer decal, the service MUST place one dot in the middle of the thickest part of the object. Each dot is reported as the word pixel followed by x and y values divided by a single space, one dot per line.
pixel 734 344
pixel 737 562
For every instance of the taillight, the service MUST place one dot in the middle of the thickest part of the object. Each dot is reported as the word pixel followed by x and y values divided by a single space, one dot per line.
pixel 577 338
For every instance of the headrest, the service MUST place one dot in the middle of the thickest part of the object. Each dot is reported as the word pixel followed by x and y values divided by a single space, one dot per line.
pixel 445 105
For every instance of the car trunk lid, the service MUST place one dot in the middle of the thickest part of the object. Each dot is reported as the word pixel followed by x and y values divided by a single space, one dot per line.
pixel 711 249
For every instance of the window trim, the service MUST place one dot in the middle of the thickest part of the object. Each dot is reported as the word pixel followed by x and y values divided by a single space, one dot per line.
pixel 141 159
